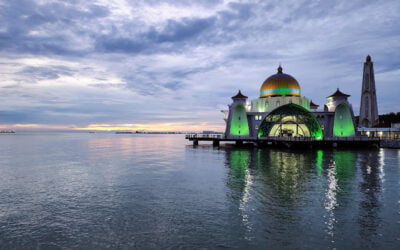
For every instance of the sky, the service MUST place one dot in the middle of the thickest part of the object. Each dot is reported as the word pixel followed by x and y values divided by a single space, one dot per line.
pixel 174 64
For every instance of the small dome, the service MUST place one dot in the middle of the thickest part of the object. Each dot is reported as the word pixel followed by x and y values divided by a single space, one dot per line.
pixel 280 84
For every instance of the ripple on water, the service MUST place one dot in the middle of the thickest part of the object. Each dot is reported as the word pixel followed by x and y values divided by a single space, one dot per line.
pixel 152 191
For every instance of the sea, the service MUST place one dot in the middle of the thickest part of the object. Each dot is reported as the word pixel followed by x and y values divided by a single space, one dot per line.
pixel 137 191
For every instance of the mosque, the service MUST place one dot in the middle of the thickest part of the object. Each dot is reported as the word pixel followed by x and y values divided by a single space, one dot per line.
pixel 282 111
pixel 281 116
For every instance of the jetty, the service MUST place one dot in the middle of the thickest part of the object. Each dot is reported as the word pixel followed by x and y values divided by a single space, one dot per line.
pixel 293 142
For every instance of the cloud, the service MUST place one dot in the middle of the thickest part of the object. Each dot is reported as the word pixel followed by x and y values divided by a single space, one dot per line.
pixel 151 61
pixel 45 73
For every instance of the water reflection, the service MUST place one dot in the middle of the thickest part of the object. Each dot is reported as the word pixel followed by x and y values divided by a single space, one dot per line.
pixel 283 171
pixel 338 175
pixel 241 179
pixel 284 183
pixel 372 174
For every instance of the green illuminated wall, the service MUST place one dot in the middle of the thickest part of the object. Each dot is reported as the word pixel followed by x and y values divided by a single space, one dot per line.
pixel 343 122
pixel 239 124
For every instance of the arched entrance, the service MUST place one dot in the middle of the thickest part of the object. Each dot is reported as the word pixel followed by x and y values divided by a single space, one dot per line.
pixel 290 120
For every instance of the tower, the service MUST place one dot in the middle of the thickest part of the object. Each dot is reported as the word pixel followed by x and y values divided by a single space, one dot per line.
pixel 368 106
pixel 238 124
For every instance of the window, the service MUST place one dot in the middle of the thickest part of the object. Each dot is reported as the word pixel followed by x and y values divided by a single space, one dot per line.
pixel 278 103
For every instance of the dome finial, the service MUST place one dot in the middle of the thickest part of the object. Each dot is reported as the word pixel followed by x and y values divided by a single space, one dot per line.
pixel 280 68
pixel 368 59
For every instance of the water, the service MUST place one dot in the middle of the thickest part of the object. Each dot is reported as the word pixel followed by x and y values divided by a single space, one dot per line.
pixel 99 191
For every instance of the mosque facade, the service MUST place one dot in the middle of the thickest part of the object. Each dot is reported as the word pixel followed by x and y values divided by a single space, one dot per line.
pixel 281 111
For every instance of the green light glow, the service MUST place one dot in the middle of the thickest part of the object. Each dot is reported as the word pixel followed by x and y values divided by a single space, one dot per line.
pixel 239 124
pixel 320 156
pixel 343 123
pixel 307 124
pixel 239 162
pixel 344 165
pixel 280 91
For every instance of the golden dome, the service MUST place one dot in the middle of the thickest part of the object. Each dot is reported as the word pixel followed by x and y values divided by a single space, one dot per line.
pixel 280 84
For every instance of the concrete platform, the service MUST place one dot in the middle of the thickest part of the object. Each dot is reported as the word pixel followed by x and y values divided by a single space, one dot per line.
pixel 290 142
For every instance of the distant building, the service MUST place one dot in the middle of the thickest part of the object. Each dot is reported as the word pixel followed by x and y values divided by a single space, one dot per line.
pixel 282 111
pixel 369 116
pixel 395 125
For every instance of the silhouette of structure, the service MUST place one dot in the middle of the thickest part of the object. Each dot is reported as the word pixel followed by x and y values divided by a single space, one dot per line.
pixel 368 107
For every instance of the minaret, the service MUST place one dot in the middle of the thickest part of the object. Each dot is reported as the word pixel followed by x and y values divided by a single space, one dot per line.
pixel 369 116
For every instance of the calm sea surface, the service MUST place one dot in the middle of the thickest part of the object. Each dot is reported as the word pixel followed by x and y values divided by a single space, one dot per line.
pixel 87 191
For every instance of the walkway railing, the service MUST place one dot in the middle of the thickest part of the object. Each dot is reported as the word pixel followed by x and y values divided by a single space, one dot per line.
pixel 278 138
pixel 353 138
pixel 205 136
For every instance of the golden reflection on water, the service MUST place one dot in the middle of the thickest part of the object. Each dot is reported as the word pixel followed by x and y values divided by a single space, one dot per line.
pixel 285 172
pixel 127 145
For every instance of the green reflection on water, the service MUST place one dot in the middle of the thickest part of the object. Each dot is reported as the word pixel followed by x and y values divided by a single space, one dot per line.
pixel 344 164
pixel 286 171
pixel 319 161
pixel 239 162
